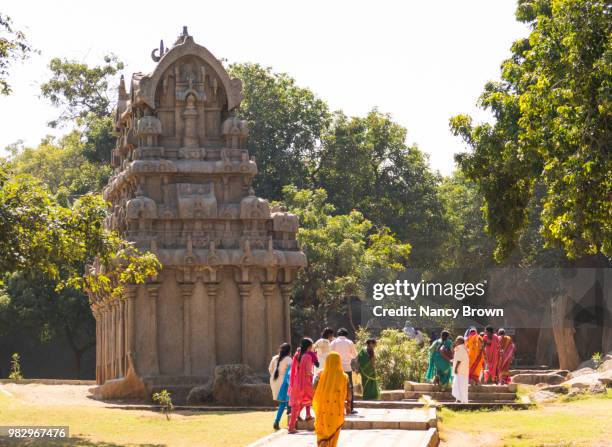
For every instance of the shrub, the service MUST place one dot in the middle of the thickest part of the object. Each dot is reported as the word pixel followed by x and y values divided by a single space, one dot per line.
pixel 165 402
pixel 15 368
pixel 398 358
pixel 596 357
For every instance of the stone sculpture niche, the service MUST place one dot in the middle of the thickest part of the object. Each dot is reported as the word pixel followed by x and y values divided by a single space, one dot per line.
pixel 181 188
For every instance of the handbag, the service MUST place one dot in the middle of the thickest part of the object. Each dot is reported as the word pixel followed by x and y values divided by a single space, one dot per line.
pixel 355 365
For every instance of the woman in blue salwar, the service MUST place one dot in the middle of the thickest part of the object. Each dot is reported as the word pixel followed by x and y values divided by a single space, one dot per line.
pixel 280 368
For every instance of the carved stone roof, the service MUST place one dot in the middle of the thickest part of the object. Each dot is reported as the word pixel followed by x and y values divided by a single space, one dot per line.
pixel 145 85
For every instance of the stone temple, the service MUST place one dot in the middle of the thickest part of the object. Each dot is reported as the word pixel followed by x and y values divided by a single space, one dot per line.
pixel 182 190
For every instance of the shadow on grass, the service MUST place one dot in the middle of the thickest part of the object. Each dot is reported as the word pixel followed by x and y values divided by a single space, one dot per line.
pixel 72 441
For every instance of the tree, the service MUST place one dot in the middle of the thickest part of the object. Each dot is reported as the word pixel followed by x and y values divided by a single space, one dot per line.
pixel 33 305
pixel 13 46
pixel 45 248
pixel 467 244
pixel 84 97
pixel 552 128
pixel 37 234
pixel 365 164
pixel 285 127
pixel 548 148
pixel 62 166
pixel 344 251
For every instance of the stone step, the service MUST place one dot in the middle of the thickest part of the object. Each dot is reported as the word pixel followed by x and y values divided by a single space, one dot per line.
pixel 447 396
pixel 561 372
pixel 385 418
pixel 474 405
pixel 415 386
pixel 356 438
pixel 391 395
pixel 391 404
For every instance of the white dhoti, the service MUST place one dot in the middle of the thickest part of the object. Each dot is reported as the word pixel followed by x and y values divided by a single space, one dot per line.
pixel 460 388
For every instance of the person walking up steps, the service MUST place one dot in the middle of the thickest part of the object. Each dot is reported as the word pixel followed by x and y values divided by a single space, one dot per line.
pixel 346 348
pixel 367 370
pixel 491 355
pixel 279 369
pixel 506 355
pixel 323 346
pixel 461 371
pixel 440 358
pixel 300 383
pixel 330 401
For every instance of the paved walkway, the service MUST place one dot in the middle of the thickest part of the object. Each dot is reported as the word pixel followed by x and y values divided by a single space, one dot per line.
pixel 354 438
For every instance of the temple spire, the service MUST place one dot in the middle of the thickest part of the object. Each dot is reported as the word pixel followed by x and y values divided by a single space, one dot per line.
pixel 122 92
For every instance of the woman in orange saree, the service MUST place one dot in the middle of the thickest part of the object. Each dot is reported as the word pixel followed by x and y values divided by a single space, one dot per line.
pixel 330 401
pixel 473 342
pixel 506 355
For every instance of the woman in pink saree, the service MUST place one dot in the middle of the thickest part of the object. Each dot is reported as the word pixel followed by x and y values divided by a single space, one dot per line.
pixel 491 355
pixel 301 383
pixel 506 354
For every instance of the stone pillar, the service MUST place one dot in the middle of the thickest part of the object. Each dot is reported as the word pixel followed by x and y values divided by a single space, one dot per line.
pixel 113 338
pixel 285 290
pixel 212 289
pixel 245 294
pixel 153 291
pixel 130 296
pixel 268 291
pixel 186 291
pixel 106 341
pixel 96 314
pixel 120 337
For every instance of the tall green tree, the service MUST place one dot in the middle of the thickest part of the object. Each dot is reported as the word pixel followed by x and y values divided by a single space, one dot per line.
pixel 344 252
pixel 552 129
pixel 13 47
pixel 33 305
pixel 62 165
pixel 285 127
pixel 365 164
pixel 467 244
pixel 85 95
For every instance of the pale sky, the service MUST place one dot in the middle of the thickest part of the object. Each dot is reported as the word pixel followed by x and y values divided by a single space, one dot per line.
pixel 421 61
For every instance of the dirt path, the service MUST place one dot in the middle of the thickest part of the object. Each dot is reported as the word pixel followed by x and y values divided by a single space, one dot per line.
pixel 34 393
pixel 455 438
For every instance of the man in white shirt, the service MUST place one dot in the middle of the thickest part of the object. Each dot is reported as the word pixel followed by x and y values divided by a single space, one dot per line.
pixel 346 349
pixel 323 346
pixel 461 371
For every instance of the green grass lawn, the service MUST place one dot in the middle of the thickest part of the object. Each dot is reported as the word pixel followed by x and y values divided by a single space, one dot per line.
pixel 93 425
pixel 584 421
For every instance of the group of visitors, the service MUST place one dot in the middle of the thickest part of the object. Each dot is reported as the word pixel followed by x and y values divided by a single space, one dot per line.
pixel 320 377
pixel 475 358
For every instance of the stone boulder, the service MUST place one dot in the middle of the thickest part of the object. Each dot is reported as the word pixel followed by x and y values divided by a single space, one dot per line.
pixel 583 381
pixel 597 388
pixel 534 378
pixel 542 396
pixel 606 365
pixel 581 372
pixel 558 389
pixel 201 394
pixel 590 363
pixel 233 385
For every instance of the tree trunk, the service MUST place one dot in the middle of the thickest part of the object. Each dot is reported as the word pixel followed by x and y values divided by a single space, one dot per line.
pixel 563 331
pixel 349 309
pixel 545 348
